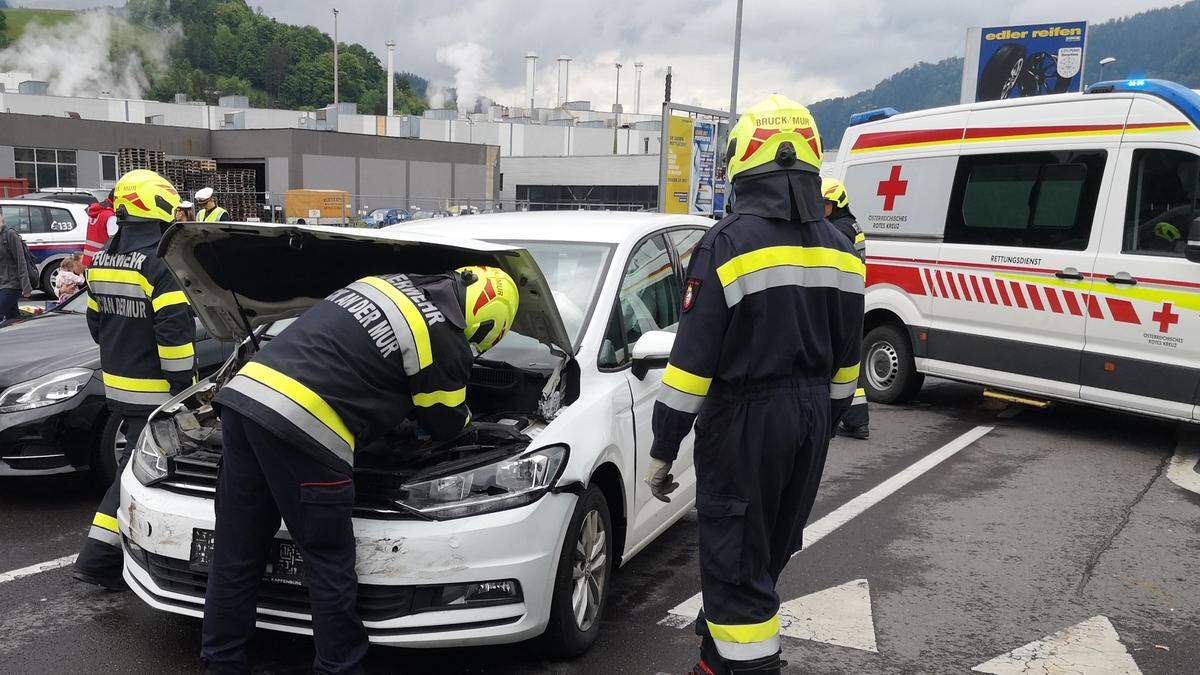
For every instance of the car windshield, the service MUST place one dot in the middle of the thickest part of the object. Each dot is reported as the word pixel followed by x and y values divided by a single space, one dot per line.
pixel 574 271
pixel 76 305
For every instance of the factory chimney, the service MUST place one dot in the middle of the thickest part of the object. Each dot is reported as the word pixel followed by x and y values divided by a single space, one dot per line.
pixel 564 76
pixel 530 77
pixel 391 78
pixel 637 88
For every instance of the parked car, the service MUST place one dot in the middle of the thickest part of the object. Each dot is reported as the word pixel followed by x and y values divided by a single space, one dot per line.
pixel 53 418
pixel 507 532
pixel 1044 245
pixel 77 195
pixel 385 217
pixel 53 228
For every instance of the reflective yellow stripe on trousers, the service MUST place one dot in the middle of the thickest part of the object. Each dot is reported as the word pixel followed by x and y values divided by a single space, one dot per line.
pixel 746 642
pixel 104 529
pixel 844 382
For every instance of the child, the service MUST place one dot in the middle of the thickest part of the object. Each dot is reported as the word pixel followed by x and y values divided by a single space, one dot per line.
pixel 70 277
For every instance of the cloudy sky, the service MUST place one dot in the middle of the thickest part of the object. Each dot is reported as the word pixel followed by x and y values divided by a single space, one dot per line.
pixel 806 49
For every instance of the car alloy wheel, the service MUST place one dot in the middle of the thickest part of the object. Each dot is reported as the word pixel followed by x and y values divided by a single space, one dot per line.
pixel 589 571
pixel 119 443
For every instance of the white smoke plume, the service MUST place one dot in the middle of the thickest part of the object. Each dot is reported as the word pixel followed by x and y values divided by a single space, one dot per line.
pixel 90 55
pixel 471 63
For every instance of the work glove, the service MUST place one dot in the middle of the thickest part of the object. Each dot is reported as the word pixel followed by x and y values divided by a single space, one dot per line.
pixel 660 480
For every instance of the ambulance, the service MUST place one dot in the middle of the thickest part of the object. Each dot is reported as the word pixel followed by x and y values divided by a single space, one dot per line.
pixel 1046 247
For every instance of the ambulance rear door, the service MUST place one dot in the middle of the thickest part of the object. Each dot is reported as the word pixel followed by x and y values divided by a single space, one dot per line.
pixel 1143 350
pixel 1022 231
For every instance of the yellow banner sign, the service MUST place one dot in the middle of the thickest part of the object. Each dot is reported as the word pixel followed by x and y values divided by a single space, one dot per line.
pixel 678 181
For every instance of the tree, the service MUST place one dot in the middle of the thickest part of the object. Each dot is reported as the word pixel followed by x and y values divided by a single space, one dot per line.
pixel 4 39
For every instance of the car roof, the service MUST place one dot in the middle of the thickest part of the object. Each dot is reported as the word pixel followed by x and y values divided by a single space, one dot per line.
pixel 56 203
pixel 609 227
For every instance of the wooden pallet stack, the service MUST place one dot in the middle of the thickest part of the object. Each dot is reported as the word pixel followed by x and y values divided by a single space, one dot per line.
pixel 234 189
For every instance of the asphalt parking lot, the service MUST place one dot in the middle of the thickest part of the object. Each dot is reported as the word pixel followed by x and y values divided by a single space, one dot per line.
pixel 963 535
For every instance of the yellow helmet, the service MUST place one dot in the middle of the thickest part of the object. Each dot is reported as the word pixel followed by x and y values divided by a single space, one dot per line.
pixel 145 195
pixel 777 134
pixel 833 190
pixel 491 305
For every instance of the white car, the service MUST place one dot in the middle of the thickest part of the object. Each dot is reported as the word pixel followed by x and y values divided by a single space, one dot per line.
pixel 503 534
pixel 53 229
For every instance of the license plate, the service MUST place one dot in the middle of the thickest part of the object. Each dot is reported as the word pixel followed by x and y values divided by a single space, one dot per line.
pixel 285 564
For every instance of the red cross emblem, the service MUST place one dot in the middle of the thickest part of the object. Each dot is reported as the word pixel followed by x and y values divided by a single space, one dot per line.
pixel 891 188
pixel 1165 318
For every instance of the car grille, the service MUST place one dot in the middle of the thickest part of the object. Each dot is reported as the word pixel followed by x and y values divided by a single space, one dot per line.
pixel 195 472
pixel 375 603
pixel 494 378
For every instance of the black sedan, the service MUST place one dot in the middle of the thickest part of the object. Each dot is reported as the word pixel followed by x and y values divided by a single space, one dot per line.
pixel 53 418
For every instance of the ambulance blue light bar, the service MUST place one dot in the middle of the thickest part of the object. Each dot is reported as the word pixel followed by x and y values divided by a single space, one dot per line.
pixel 872 116
pixel 1184 99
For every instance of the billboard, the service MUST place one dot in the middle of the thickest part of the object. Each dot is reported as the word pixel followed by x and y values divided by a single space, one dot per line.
pixel 704 168
pixel 1005 62
pixel 677 181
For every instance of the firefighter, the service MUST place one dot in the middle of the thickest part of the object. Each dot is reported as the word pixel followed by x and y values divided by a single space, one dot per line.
pixel 209 212
pixel 767 355
pixel 140 318
pixel 367 356
pixel 857 422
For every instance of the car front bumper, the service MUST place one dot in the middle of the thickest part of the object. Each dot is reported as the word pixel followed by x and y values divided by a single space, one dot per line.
pixel 50 440
pixel 393 555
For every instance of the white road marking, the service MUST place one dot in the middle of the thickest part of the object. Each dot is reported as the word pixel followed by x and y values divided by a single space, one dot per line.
pixel 683 614
pixel 1182 469
pixel 838 616
pixel 1091 646
pixel 38 568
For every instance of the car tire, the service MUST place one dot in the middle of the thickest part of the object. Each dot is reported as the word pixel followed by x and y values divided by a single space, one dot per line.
pixel 105 456
pixel 567 636
pixel 891 371
pixel 49 273
pixel 998 72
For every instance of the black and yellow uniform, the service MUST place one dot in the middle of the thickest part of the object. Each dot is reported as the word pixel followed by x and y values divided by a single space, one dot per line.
pixel 140 318
pixel 349 369
pixel 767 354
pixel 857 420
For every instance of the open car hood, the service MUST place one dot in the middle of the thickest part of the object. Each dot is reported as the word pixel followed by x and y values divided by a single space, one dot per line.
pixel 278 271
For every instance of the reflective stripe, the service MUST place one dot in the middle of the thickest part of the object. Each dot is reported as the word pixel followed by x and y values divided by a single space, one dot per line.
pixel 177 365
pixel 176 351
pixel 446 398
pixel 748 641
pixel 91 304
pixel 860 397
pixel 412 316
pixel 94 244
pixel 106 521
pixel 113 288
pixel 404 334
pixel 860 238
pixel 104 536
pixel 681 401
pixel 302 396
pixel 860 392
pixel 298 416
pixel 168 299
pixel 804 277
pixel 121 277
pixel 848 374
pixel 840 391
pixel 678 378
pixel 154 399
pixel 136 383
pixel 792 256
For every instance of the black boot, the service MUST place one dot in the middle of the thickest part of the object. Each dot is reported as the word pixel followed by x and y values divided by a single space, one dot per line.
pixel 764 666
pixel 862 433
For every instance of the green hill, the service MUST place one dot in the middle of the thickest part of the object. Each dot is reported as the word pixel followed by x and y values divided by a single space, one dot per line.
pixel 1157 43
pixel 13 22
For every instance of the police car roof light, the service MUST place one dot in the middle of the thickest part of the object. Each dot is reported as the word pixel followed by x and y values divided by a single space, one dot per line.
pixel 1185 100
pixel 872 115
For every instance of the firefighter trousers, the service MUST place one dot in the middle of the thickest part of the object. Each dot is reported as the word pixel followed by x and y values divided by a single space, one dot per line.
pixel 263 478
pixel 857 416
pixel 102 559
pixel 759 455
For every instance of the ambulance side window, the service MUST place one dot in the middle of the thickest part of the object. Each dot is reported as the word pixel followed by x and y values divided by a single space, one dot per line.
pixel 1035 199
pixel 1161 203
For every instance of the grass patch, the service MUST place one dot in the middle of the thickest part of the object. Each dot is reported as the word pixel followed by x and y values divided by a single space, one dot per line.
pixel 20 19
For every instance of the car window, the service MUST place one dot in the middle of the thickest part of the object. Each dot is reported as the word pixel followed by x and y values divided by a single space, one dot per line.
pixel 685 243
pixel 59 220
pixel 1035 199
pixel 649 295
pixel 1161 203
pixel 39 221
pixel 16 217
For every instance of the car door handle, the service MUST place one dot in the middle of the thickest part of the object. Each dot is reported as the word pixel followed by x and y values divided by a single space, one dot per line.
pixel 1123 278
pixel 1069 273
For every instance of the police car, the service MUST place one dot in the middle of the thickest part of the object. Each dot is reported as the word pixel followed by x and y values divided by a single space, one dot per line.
pixel 1040 245
pixel 53 227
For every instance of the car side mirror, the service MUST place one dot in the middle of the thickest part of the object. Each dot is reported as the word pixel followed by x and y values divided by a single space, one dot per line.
pixel 1193 243
pixel 652 351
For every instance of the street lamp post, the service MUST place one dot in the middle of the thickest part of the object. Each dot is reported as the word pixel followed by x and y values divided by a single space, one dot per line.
pixel 737 56
pixel 1106 61
pixel 335 57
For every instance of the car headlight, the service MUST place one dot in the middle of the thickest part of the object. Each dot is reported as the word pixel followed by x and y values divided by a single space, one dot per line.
pixel 158 442
pixel 46 390
pixel 507 484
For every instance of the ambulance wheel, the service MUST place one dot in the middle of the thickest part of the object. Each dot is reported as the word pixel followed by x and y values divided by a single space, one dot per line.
pixel 584 571
pixel 49 276
pixel 891 372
